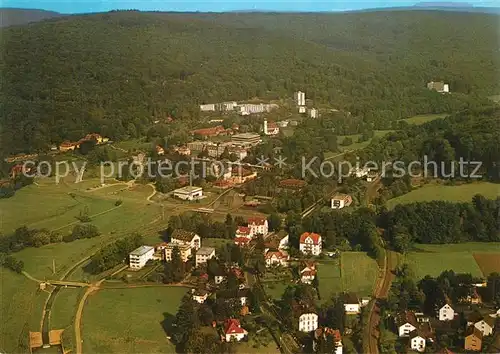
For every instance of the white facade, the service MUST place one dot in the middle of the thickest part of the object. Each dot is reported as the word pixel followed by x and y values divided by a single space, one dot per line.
pixel 249 108
pixel 300 98
pixel 283 244
pixel 276 259
pixel 302 109
pixel 352 308
pixel 219 279
pixel 309 246
pixel 418 343
pixel 204 254
pixel 184 250
pixel 140 256
pixel 270 129
pixel 194 242
pixel 200 298
pixel 313 113
pixel 446 313
pixel 405 329
pixel 188 193
pixel 446 88
pixel 258 227
pixel 207 107
pixel 308 322
pixel 484 327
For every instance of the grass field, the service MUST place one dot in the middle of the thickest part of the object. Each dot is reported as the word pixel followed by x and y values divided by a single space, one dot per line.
pixel 358 274
pixel 488 262
pixel 461 193
pixel 424 118
pixel 356 145
pixel 130 320
pixel 18 296
pixel 64 308
pixel 434 259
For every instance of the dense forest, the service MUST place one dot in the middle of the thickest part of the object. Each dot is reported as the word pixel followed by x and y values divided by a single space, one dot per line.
pixel 116 72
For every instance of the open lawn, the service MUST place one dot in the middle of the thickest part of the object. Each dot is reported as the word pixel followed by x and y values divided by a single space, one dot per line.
pixel 358 274
pixel 358 145
pixel 18 295
pixel 130 320
pixel 64 308
pixel 461 193
pixel 488 262
pixel 434 259
pixel 424 118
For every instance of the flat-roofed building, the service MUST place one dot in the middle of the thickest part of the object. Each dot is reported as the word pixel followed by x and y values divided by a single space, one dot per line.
pixel 251 139
pixel 204 254
pixel 184 249
pixel 140 256
pixel 188 193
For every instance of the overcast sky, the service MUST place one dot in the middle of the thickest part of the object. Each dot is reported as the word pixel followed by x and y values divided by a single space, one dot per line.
pixel 79 6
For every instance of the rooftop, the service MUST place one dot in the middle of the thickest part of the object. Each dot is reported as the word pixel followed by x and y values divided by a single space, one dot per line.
pixel 205 251
pixel 187 189
pixel 246 136
pixel 139 251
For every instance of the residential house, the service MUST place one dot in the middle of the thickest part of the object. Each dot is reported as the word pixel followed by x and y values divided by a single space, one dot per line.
pixel 439 86
pixel 325 333
pixel 446 313
pixel 258 226
pixel 485 325
pixel 242 295
pixel 308 322
pixel 307 272
pixel 340 201
pixel 244 231
pixel 199 295
pixel 473 339
pixel 313 113
pixel 276 258
pixel 310 243
pixel 183 150
pixel 406 323
pixel 277 240
pixel 184 249
pixel 270 128
pixel 242 241
pixel 204 254
pixel 181 236
pixel 417 341
pixel 233 330
pixel 140 256
pixel 351 304
pixel 207 107
pixel 220 276
pixel 302 109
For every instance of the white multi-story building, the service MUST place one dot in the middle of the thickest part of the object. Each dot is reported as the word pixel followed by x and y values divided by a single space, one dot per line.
pixel 207 107
pixel 417 342
pixel 184 249
pixel 313 113
pixel 446 313
pixel 308 322
pixel 310 243
pixel 199 295
pixel 300 98
pixel 406 323
pixel 183 237
pixel 140 256
pixel 302 109
pixel 276 258
pixel 250 108
pixel 204 254
pixel 258 226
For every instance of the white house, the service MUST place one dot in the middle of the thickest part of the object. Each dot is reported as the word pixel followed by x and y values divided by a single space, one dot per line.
pixel 308 322
pixel 302 109
pixel 207 107
pixel 219 278
pixel 233 330
pixel 300 98
pixel 446 313
pixel 417 341
pixel 243 231
pixel 313 113
pixel 188 193
pixel 307 272
pixel 258 226
pixel 184 249
pixel 486 325
pixel 140 256
pixel 352 304
pixel 271 128
pixel 183 237
pixel 310 243
pixel 340 201
pixel 276 258
pixel 406 323
pixel 199 295
pixel 439 86
pixel 204 254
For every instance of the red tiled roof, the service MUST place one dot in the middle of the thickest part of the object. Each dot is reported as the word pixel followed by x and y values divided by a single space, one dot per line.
pixel 278 255
pixel 308 273
pixel 315 237
pixel 292 183
pixel 243 230
pixel 257 221
pixel 209 131
pixel 326 331
pixel 241 241
pixel 232 326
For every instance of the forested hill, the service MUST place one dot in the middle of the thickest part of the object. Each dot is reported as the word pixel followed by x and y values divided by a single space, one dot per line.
pixel 12 17
pixel 116 72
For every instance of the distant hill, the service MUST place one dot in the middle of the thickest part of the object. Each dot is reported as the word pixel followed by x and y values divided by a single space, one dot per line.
pixel 12 17
pixel 115 73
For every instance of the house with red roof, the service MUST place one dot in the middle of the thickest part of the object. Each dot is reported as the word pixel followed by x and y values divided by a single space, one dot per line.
pixel 258 225
pixel 276 258
pixel 307 272
pixel 325 333
pixel 209 132
pixel 233 330
pixel 310 243
pixel 159 150
pixel 243 231
pixel 242 241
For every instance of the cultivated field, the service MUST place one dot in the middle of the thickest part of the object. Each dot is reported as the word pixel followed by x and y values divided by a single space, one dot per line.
pixel 130 320
pixel 461 193
pixel 357 145
pixel 424 118
pixel 461 258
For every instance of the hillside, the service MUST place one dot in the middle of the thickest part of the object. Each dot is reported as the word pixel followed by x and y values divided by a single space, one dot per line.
pixel 12 17
pixel 115 72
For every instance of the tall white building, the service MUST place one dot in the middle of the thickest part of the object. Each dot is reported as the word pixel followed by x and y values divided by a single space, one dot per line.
pixel 207 107
pixel 308 322
pixel 140 256
pixel 300 98
pixel 313 113
pixel 310 243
